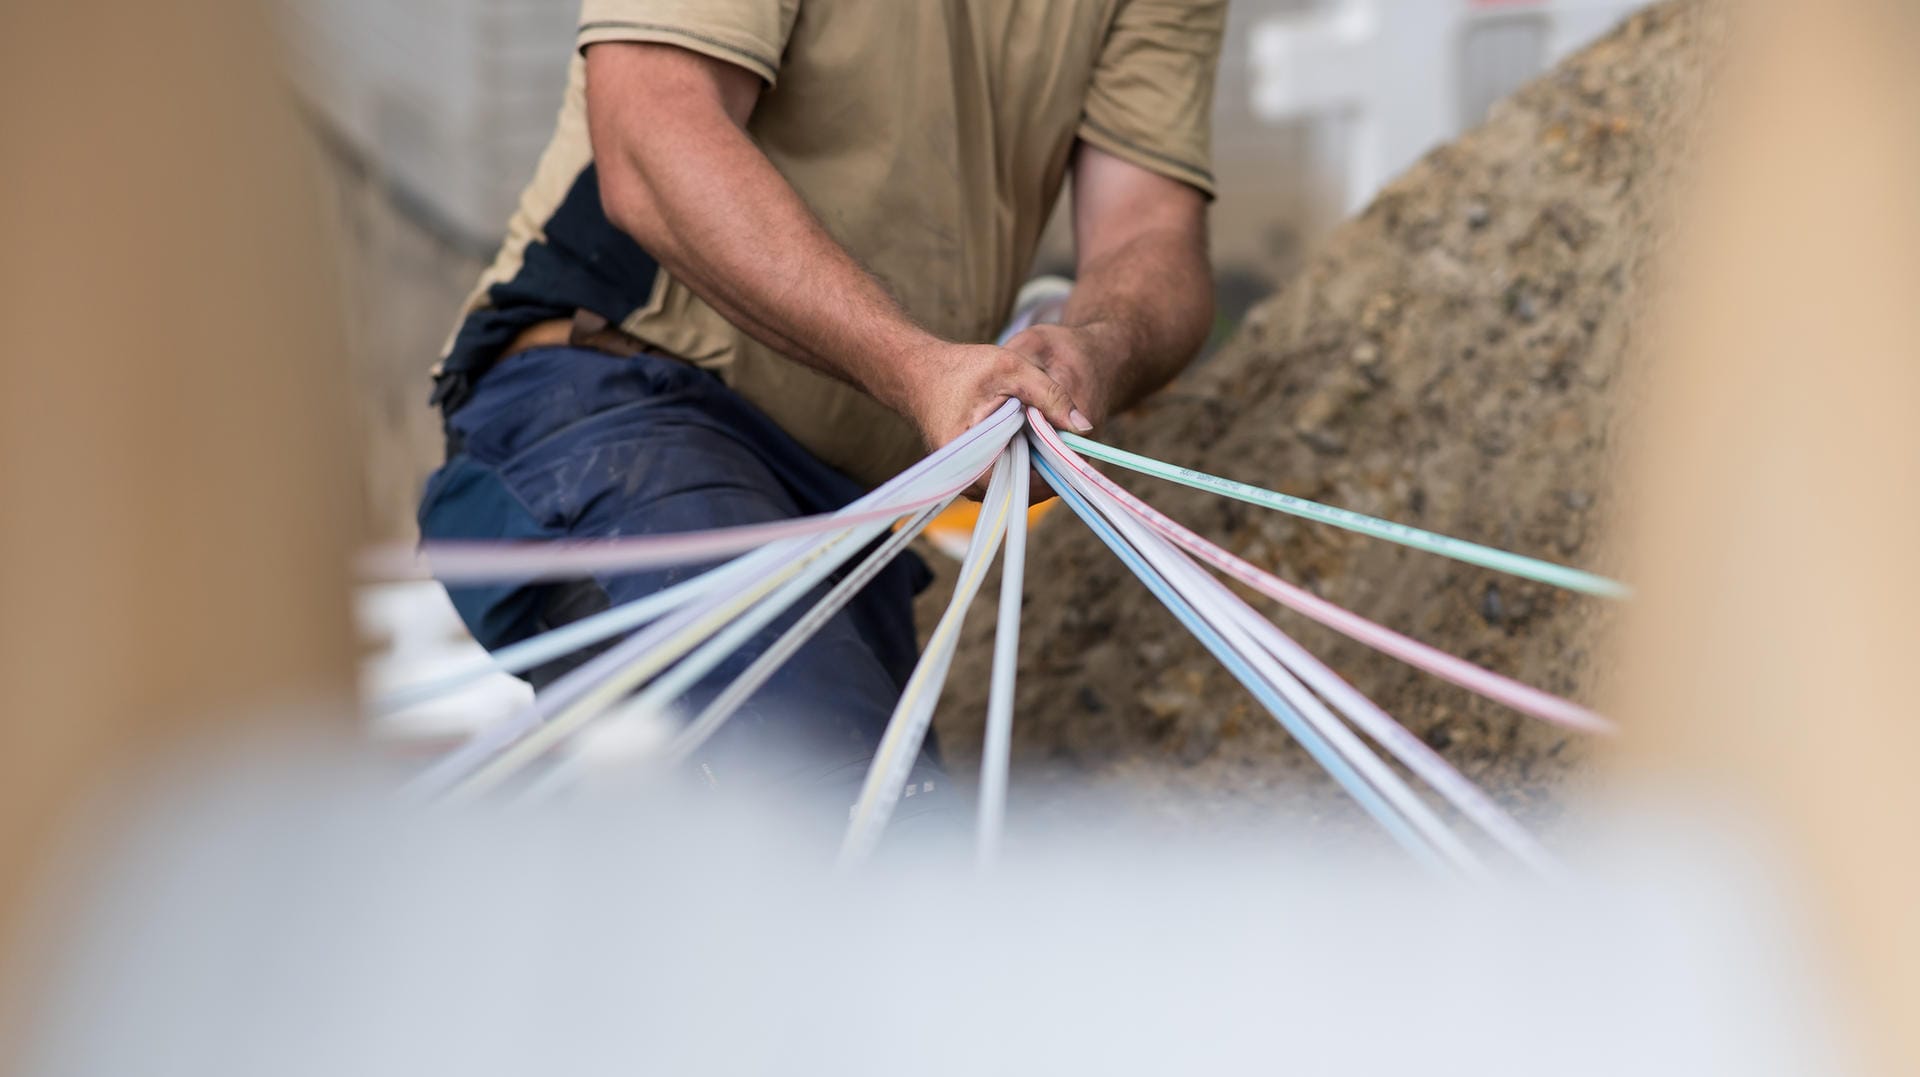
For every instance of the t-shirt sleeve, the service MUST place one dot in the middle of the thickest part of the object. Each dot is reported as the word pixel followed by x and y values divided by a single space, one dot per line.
pixel 1151 98
pixel 750 33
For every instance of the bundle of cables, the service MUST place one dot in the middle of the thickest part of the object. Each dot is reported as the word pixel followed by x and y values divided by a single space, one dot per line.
pixel 677 636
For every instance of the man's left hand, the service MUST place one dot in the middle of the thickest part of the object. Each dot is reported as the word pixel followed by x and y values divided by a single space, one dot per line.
pixel 1083 359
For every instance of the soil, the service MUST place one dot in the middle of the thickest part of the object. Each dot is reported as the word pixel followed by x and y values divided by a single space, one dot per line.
pixel 1454 358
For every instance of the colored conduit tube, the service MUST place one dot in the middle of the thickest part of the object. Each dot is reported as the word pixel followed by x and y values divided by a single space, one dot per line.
pixel 1217 644
pixel 953 468
pixel 742 688
pixel 907 726
pixel 1505 690
pixel 1219 606
pixel 996 747
pixel 1473 553
pixel 1413 752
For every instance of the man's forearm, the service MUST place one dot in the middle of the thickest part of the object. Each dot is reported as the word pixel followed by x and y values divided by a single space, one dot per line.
pixel 679 174
pixel 1150 303
pixel 749 246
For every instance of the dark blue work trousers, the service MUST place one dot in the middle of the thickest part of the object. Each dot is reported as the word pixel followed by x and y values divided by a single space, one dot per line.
pixel 563 442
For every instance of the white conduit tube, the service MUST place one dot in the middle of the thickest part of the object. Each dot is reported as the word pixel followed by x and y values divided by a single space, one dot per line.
pixel 478 765
pixel 682 677
pixel 563 559
pixel 650 654
pixel 907 728
pixel 1413 752
pixel 950 469
pixel 740 689
pixel 708 722
pixel 1219 605
pixel 728 624
pixel 1216 644
pixel 997 746
pixel 1521 697
pixel 483 562
pixel 587 631
pixel 571 637
pixel 1212 603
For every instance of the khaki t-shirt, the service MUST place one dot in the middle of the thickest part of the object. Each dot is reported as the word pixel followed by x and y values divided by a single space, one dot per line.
pixel 931 137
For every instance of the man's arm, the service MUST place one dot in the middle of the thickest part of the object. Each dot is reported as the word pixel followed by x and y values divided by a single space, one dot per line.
pixel 679 174
pixel 1143 301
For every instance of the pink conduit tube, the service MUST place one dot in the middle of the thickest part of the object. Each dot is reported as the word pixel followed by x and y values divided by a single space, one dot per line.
pixel 1523 698
pixel 481 562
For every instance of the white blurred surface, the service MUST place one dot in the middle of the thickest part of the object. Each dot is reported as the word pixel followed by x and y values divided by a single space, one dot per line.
pixel 295 923
pixel 419 637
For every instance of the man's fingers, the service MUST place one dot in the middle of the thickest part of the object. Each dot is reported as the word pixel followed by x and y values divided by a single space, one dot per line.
pixel 1035 388
pixel 1057 351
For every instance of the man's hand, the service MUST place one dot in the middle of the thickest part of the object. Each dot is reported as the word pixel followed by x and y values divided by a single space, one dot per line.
pixel 1144 298
pixel 957 385
pixel 1084 359
pixel 664 122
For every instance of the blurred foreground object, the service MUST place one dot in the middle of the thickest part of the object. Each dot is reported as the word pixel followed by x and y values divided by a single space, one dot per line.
pixel 1776 496
pixel 174 462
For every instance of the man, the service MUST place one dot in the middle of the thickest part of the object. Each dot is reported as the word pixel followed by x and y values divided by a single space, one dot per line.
pixel 750 278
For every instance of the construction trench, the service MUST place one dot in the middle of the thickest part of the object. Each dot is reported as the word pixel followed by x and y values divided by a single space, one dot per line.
pixel 1453 358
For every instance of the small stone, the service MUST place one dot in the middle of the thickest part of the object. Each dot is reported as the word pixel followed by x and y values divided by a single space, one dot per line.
pixel 1168 703
pixel 1378 311
pixel 1522 304
pixel 1197 745
pixel 1478 215
pixel 1091 702
pixel 1492 609
pixel 1315 420
pixel 1324 442
pixel 1519 606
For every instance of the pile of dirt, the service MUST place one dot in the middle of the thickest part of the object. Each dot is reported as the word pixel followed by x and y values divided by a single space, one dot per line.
pixel 1452 358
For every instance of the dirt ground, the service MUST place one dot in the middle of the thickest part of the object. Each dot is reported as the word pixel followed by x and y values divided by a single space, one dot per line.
pixel 1453 358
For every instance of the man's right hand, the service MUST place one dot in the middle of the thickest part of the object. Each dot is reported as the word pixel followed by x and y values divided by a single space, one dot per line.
pixel 954 386
pixel 664 122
